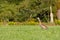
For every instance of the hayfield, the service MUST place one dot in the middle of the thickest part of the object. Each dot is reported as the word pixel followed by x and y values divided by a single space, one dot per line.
pixel 29 32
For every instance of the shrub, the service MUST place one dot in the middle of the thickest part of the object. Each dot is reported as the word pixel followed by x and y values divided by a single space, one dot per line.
pixel 57 22
pixel 31 22
pixel 11 23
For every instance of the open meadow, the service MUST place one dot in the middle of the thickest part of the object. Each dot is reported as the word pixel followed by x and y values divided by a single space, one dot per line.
pixel 29 32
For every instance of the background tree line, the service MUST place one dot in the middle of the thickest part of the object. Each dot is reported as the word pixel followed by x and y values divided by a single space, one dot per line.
pixel 24 10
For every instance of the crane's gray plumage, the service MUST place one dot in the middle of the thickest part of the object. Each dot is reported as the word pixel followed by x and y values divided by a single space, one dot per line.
pixel 42 25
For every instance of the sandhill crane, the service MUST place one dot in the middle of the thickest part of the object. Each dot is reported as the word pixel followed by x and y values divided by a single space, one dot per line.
pixel 41 25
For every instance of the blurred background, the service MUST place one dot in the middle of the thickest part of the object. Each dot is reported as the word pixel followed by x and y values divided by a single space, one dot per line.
pixel 16 12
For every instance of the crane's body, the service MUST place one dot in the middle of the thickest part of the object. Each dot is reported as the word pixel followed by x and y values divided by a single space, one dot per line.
pixel 41 25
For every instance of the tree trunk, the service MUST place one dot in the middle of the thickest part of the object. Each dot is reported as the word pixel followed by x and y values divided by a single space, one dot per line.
pixel 51 15
pixel 58 9
pixel 58 14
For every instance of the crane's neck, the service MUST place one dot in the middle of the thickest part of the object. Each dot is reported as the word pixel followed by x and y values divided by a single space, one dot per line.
pixel 39 20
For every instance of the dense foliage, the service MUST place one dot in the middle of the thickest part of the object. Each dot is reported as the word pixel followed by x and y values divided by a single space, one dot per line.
pixel 23 10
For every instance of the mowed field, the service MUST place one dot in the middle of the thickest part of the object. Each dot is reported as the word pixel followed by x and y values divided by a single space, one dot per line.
pixel 29 32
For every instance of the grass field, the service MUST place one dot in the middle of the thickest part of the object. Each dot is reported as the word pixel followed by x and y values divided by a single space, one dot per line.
pixel 29 32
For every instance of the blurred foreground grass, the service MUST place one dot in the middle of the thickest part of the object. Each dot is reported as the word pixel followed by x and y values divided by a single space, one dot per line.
pixel 29 32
